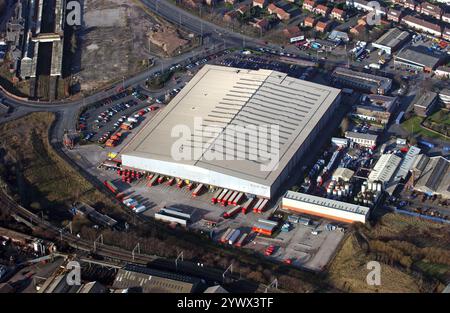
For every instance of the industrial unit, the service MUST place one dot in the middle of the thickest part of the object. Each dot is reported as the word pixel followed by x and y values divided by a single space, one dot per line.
pixel 392 40
pixel 323 207
pixel 418 58
pixel 225 98
pixel 362 81
pixel 432 175
pixel 362 139
pixel 424 103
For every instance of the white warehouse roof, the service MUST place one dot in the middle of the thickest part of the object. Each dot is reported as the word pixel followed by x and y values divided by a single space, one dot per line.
pixel 224 97
pixel 385 167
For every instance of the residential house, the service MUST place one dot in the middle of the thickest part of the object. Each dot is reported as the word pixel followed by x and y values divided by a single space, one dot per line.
pixel 309 21
pixel 322 10
pixel 260 3
pixel 366 6
pixel 338 14
pixel 309 5
pixel 322 26
pixel 429 9
pixel 279 12
pixel 422 25
pixel 394 15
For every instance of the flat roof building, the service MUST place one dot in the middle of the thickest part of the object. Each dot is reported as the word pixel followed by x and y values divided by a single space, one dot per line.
pixel 362 81
pixel 323 207
pixel 424 103
pixel 444 96
pixel 221 104
pixel 418 58
pixel 362 139
pixel 392 40
pixel 377 108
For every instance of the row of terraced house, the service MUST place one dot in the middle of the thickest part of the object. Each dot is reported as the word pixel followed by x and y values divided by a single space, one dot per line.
pixel 404 15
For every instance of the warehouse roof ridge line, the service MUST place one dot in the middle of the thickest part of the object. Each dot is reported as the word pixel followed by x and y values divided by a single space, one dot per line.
pixel 230 97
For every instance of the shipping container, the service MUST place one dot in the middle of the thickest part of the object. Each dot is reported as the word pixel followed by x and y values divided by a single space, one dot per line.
pixel 175 212
pixel 225 235
pixel 241 241
pixel 170 219
pixel 234 236
pixel 139 209
pixel 229 235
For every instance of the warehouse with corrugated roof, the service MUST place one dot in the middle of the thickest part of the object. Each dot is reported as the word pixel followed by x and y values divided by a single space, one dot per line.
pixel 190 139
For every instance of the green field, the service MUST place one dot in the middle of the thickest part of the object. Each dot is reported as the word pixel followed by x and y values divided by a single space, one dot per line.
pixel 413 126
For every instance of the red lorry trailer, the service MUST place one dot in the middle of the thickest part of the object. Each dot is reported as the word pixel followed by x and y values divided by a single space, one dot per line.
pixel 170 181
pixel 222 195
pixel 255 208
pixel 232 211
pixel 231 198
pixel 262 206
pixel 238 198
pixel 197 190
pixel 227 196
pixel 215 196
pixel 111 186
pixel 247 205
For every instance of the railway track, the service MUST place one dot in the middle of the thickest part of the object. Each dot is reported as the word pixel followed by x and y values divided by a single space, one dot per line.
pixel 72 240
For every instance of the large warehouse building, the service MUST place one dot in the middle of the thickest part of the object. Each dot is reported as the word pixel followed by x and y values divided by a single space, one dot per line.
pixel 225 98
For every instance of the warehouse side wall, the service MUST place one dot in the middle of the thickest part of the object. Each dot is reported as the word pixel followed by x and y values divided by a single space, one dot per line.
pixel 196 174
pixel 317 210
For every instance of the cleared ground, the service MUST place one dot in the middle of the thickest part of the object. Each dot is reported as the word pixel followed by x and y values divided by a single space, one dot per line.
pixel 117 39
